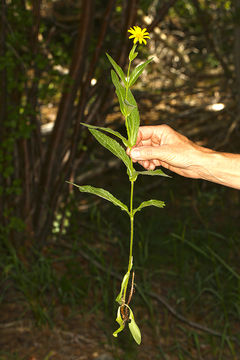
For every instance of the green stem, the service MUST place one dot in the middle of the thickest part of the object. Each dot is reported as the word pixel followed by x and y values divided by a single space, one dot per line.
pixel 126 95
pixel 131 226
pixel 131 216
pixel 128 73
pixel 131 194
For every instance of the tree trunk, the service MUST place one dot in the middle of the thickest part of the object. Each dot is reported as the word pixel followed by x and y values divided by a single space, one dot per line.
pixel 63 120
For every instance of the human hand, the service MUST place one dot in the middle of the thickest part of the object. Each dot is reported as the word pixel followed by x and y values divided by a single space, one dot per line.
pixel 162 146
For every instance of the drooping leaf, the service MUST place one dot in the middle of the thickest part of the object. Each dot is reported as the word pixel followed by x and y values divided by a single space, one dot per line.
pixel 117 68
pixel 113 146
pixel 111 131
pixel 120 322
pixel 157 172
pixel 135 331
pixel 133 120
pixel 103 194
pixel 157 203
pixel 124 284
pixel 121 327
pixel 137 72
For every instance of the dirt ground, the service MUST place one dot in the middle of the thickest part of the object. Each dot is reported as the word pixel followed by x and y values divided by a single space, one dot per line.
pixel 75 338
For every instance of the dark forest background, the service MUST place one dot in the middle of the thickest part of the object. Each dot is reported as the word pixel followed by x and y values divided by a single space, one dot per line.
pixel 62 252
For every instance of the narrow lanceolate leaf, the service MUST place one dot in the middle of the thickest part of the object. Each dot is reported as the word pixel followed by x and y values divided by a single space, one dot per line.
pixel 103 194
pixel 120 91
pixel 117 68
pixel 137 72
pixel 121 102
pixel 135 331
pixel 153 173
pixel 113 146
pixel 133 120
pixel 157 203
pixel 113 132
pixel 128 108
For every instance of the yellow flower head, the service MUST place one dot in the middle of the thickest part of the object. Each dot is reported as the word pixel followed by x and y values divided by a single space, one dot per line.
pixel 139 34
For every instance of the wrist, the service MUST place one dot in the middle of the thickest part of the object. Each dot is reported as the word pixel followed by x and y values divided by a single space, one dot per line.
pixel 219 167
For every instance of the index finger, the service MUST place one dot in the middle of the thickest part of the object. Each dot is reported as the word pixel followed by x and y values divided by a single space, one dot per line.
pixel 148 135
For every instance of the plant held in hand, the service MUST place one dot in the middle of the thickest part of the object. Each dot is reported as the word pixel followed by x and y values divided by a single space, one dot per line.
pixel 129 110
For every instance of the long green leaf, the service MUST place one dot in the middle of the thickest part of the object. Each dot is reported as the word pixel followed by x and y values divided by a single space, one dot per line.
pixel 137 72
pixel 157 172
pixel 113 132
pixel 157 203
pixel 120 91
pixel 133 119
pixel 121 102
pixel 113 146
pixel 135 331
pixel 117 69
pixel 103 194
pixel 128 108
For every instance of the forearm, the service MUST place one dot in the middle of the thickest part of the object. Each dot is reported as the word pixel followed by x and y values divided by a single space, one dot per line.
pixel 218 167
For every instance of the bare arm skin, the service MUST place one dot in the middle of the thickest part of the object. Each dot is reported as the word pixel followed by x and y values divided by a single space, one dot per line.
pixel 162 146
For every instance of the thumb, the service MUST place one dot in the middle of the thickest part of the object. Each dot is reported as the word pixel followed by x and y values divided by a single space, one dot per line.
pixel 146 153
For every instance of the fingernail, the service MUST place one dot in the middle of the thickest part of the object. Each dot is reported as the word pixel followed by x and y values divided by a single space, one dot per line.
pixel 135 153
